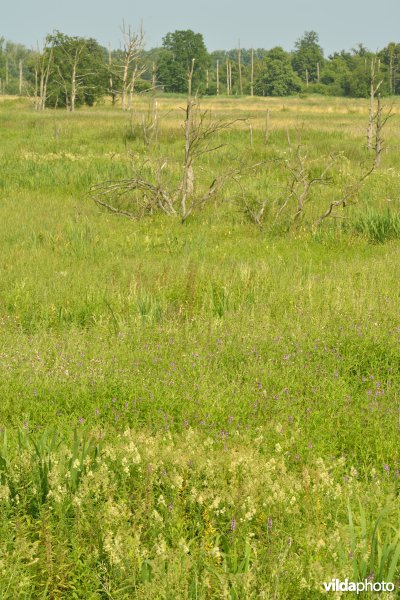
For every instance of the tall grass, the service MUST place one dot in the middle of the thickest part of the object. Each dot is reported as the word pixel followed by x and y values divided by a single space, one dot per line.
pixel 199 411
pixel 379 226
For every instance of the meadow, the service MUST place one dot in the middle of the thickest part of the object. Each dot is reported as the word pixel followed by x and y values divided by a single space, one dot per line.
pixel 198 410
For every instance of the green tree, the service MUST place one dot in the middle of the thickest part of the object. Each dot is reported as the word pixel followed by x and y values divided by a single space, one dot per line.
pixel 308 57
pixel 277 77
pixel 179 48
pixel 79 73
pixel 12 58
pixel 390 60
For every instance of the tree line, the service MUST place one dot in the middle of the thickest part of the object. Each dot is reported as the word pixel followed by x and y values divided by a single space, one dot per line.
pixel 69 71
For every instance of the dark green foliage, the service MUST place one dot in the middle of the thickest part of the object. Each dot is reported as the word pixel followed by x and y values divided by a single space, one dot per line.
pixel 91 72
pixel 307 56
pixel 277 77
pixel 344 73
pixel 180 47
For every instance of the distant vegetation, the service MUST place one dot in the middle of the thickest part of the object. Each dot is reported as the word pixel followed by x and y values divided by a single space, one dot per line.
pixel 71 71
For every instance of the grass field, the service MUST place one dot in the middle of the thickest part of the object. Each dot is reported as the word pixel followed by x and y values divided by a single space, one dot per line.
pixel 207 410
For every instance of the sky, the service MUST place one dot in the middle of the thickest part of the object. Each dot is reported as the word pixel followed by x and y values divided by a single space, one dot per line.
pixel 341 24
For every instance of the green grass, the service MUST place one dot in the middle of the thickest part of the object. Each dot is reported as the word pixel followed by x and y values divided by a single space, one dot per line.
pixel 208 410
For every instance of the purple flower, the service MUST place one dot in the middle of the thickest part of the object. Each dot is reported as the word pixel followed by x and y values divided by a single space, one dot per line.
pixel 270 523
pixel 233 524
pixel 387 468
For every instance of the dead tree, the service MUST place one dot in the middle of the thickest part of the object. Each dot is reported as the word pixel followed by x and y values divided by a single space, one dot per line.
pixel 252 73
pixel 73 80
pixel 150 123
pixel 374 87
pixel 110 77
pixel 190 77
pixel 200 131
pixel 132 54
pixel 301 181
pixel 381 117
pixel 20 77
pixel 147 197
pixel 240 69
pixel 43 63
pixel 348 195
pixel 128 65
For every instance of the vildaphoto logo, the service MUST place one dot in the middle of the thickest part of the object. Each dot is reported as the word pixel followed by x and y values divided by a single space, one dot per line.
pixel 358 586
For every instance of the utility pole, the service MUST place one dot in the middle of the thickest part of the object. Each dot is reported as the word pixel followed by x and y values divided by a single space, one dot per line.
pixel 217 77
pixel 227 78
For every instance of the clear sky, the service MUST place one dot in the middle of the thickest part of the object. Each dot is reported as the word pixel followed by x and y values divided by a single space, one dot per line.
pixel 341 24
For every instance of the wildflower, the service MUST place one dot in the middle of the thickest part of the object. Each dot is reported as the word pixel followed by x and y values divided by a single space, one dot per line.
pixel 161 547
pixel 4 492
pixel 183 546
pixel 233 524
pixel 161 500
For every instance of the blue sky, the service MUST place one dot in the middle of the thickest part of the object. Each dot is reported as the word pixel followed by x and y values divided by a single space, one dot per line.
pixel 341 24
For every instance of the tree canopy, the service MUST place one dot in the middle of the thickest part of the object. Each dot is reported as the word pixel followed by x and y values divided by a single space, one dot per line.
pixel 308 57
pixel 81 71
pixel 179 48
pixel 277 77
